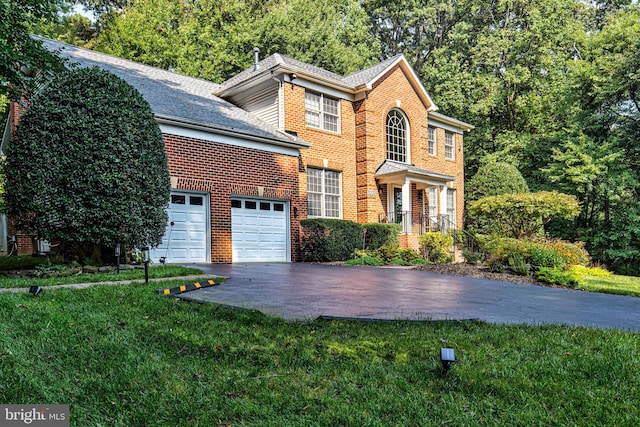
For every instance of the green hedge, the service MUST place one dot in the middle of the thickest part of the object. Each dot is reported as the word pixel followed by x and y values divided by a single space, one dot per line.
pixel 325 240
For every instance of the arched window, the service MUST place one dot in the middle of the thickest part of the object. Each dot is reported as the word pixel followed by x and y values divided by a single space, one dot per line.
pixel 397 144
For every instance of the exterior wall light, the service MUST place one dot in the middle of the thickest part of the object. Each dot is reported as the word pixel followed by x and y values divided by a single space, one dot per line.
pixel 447 357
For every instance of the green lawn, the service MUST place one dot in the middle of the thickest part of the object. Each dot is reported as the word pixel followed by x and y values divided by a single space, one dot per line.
pixel 126 356
pixel 614 284
pixel 155 272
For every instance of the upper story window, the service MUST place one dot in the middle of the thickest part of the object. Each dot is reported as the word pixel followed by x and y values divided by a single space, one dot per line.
pixel 433 141
pixel 323 193
pixel 397 136
pixel 322 112
pixel 449 146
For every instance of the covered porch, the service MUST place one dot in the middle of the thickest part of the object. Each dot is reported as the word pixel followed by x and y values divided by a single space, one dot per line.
pixel 418 199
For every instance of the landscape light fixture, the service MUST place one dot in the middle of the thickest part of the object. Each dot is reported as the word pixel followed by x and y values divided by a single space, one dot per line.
pixel 118 258
pixel 35 290
pixel 145 260
pixel 447 357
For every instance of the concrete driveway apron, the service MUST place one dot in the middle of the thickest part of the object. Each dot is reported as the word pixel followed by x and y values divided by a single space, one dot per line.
pixel 299 291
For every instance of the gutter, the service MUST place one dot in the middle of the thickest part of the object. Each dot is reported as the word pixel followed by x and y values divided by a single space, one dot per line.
pixel 294 142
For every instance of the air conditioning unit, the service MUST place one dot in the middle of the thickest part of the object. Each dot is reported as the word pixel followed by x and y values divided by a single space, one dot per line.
pixel 42 247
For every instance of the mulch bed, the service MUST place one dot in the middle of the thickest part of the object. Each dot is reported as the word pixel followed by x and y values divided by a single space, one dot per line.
pixel 479 272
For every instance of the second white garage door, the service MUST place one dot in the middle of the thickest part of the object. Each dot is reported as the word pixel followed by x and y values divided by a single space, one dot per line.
pixel 260 230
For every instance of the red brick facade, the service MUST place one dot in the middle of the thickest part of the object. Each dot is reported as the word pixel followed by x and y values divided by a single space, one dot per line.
pixel 224 170
pixel 359 148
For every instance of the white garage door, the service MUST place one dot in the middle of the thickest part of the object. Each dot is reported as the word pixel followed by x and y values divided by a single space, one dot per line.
pixel 186 240
pixel 260 230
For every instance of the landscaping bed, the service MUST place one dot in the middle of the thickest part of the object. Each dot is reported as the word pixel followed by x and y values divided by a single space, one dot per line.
pixel 479 272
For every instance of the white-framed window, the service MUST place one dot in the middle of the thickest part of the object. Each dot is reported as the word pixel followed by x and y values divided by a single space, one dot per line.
pixel 433 141
pixel 449 146
pixel 397 136
pixel 451 205
pixel 322 112
pixel 433 204
pixel 324 193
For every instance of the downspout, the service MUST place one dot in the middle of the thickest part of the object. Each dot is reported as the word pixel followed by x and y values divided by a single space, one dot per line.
pixel 280 102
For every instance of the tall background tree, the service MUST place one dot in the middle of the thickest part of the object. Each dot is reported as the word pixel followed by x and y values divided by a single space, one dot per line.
pixel 87 165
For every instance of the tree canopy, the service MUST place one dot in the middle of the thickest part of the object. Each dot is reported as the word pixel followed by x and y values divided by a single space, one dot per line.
pixel 87 163
pixel 20 55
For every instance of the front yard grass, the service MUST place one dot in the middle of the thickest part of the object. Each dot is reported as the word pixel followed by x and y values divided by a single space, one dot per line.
pixel 155 272
pixel 126 356
pixel 614 284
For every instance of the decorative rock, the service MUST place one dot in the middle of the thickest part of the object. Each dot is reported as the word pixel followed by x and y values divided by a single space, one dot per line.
pixel 89 269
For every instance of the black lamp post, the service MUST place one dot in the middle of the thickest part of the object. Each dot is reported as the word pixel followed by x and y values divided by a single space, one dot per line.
pixel 145 259
pixel 118 258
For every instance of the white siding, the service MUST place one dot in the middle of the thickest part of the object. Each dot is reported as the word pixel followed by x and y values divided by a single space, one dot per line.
pixel 263 104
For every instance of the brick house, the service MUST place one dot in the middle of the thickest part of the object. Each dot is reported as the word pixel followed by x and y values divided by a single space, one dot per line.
pixel 379 150
pixel 285 140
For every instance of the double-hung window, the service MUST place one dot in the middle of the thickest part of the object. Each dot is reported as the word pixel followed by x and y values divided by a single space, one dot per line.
pixel 322 112
pixel 449 146
pixel 451 205
pixel 323 193
pixel 433 141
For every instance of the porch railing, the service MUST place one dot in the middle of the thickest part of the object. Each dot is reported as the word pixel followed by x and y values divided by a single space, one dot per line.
pixel 418 223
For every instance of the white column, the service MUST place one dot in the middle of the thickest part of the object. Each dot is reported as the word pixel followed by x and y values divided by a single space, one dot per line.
pixel 443 200
pixel 406 206
pixel 443 208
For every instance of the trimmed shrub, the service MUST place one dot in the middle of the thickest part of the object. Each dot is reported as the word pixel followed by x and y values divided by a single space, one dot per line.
pixel 471 257
pixel 325 240
pixel 387 253
pixel 540 256
pixel 571 253
pixel 501 249
pixel 556 276
pixel 523 215
pixel 379 234
pixel 494 179
pixel 435 247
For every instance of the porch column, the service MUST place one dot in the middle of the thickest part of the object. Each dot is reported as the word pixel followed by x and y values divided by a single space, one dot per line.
pixel 444 225
pixel 406 206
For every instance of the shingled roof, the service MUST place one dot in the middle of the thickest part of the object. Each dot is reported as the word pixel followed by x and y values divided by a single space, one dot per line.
pixel 356 83
pixel 171 95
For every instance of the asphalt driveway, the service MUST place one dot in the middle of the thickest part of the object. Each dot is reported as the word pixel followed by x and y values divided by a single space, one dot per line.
pixel 299 291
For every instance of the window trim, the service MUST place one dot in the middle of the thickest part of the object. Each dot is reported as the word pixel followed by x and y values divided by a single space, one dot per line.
pixel 432 143
pixel 321 112
pixel 451 146
pixel 407 133
pixel 451 207
pixel 323 193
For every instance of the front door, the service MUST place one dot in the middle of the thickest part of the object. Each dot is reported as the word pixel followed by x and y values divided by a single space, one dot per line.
pixel 397 205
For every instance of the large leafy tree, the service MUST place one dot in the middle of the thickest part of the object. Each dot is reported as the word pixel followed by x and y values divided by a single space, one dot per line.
pixel 87 164
pixel 215 40
pixel 20 55
pixel 598 160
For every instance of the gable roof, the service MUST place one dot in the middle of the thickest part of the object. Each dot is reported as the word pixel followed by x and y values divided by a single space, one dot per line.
pixel 356 84
pixel 176 98
pixel 390 167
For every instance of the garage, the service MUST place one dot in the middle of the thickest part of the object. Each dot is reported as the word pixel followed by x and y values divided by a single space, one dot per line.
pixel 187 239
pixel 260 230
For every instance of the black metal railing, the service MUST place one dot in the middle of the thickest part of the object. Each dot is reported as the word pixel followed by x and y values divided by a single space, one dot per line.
pixel 419 223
